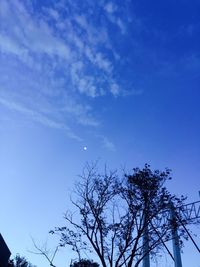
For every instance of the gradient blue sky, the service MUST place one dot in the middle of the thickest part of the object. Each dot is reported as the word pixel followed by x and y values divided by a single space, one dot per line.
pixel 119 77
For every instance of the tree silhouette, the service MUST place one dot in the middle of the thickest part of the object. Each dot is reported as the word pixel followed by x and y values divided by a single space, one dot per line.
pixel 121 220
pixel 84 263
pixel 19 261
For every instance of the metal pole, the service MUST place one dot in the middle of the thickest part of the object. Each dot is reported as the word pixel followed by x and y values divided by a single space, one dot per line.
pixel 146 260
pixel 175 240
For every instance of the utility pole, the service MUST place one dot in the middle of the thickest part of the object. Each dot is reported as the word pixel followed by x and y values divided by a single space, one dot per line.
pixel 175 238
pixel 146 260
pixel 188 212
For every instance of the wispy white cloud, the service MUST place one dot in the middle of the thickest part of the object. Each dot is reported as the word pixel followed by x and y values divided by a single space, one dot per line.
pixel 114 88
pixel 38 117
pixel 112 15
pixel 8 45
pixel 108 144
pixel 80 113
pixel 121 25
pixel 110 7
pixel 53 13
pixel 33 38
pixel 60 61
pixel 133 92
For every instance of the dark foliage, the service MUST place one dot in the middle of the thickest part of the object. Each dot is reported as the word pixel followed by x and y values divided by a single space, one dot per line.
pixel 84 263
pixel 19 261
pixel 115 216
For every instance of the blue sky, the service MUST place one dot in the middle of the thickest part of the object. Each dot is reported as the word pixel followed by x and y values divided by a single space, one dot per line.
pixel 119 77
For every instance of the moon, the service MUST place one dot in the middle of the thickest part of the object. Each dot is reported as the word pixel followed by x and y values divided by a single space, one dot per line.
pixel 85 148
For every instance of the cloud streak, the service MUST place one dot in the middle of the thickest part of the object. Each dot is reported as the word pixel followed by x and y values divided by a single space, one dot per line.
pixel 58 61
pixel 34 38
pixel 38 117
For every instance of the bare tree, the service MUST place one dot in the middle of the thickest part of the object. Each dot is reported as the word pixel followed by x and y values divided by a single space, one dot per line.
pixel 44 251
pixel 121 220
